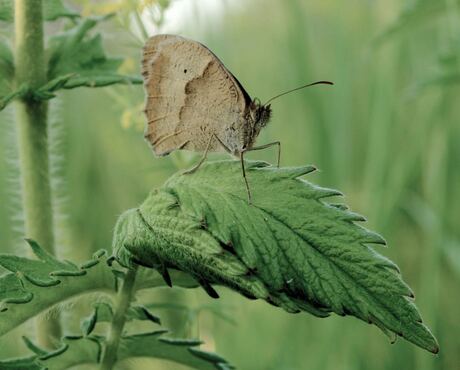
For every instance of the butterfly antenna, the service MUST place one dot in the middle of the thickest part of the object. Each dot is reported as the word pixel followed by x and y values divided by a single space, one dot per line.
pixel 299 88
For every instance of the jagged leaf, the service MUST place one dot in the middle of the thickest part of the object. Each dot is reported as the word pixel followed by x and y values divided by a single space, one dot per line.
pixel 22 298
pixel 103 312
pixel 45 271
pixel 78 59
pixel 38 285
pixel 52 10
pixel 55 9
pixel 77 351
pixel 6 99
pixel 33 347
pixel 12 291
pixel 176 350
pixel 72 352
pixel 139 312
pixel 88 324
pixel 290 247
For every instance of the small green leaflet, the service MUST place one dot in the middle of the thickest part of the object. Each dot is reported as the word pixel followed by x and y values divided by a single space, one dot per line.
pixel 103 312
pixel 290 248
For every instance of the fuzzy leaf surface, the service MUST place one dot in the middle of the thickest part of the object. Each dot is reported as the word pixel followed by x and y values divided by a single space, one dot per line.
pixel 290 247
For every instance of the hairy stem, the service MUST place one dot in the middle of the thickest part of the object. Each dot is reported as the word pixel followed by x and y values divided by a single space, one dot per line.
pixel 30 71
pixel 118 322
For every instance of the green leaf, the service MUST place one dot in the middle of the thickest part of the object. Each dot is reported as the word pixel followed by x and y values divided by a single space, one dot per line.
pixel 55 9
pixel 12 291
pixel 6 99
pixel 290 247
pixel 36 286
pixel 52 10
pixel 77 59
pixel 139 312
pixel 25 363
pixel 33 347
pixel 42 272
pixel 88 324
pixel 177 350
pixel 103 312
pixel 74 351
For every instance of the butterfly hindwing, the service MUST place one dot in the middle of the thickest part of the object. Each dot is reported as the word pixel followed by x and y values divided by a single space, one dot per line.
pixel 191 97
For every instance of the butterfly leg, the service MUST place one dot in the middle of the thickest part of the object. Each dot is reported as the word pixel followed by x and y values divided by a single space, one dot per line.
pixel 244 169
pixel 228 150
pixel 244 176
pixel 265 146
pixel 203 158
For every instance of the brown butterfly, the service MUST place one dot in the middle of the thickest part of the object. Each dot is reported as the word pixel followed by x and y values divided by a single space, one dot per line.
pixel 193 102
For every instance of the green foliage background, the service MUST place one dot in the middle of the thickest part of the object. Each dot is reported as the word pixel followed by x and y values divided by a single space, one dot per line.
pixel 387 135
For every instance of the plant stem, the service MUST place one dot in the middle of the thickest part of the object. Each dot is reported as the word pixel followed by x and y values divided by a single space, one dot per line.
pixel 30 71
pixel 118 322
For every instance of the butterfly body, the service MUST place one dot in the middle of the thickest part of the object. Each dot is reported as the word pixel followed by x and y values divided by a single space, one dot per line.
pixel 193 102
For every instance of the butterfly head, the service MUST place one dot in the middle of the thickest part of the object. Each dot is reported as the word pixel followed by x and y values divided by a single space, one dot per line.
pixel 260 114
pixel 258 117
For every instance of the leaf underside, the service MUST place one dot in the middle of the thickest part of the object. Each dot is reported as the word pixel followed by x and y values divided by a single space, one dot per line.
pixel 290 247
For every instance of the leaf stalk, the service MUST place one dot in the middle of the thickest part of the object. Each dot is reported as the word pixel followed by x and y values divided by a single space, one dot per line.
pixel 119 319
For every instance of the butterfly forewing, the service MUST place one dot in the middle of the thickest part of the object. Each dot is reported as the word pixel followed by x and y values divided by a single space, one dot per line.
pixel 191 97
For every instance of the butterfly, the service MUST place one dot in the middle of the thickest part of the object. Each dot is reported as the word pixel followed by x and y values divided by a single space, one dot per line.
pixel 194 102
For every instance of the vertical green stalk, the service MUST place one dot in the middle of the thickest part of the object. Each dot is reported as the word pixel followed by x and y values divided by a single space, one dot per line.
pixel 30 71
pixel 118 322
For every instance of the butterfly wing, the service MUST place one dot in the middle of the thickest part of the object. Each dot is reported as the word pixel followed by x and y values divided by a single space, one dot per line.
pixel 191 97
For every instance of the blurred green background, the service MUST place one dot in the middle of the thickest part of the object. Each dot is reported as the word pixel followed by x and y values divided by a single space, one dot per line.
pixel 387 135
